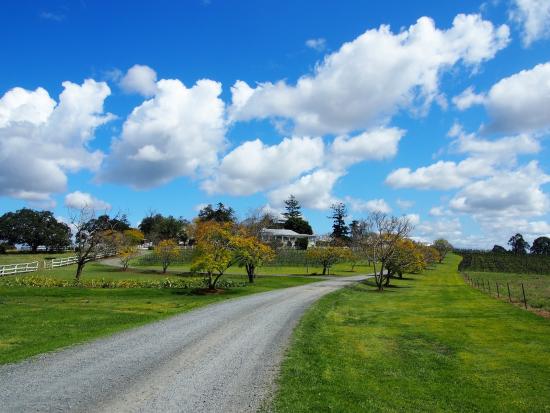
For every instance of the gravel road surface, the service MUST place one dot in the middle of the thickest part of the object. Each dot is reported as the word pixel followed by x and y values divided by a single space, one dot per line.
pixel 220 358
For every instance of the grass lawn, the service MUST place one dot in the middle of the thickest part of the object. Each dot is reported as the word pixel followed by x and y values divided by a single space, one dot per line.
pixel 17 257
pixel 36 320
pixel 537 287
pixel 432 343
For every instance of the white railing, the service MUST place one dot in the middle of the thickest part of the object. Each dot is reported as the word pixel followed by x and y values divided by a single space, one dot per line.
pixel 18 268
pixel 60 262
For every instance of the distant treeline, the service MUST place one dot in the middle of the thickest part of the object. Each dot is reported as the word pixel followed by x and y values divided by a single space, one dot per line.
pixel 488 261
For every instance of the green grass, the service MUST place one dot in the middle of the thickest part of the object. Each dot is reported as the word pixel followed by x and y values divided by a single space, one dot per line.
pixel 429 344
pixel 36 320
pixel 18 257
pixel 537 287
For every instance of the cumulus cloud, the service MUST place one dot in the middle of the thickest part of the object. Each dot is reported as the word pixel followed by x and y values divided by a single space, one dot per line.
pixel 314 190
pixel 373 205
pixel 440 175
pixel 318 44
pixel 485 158
pixel 41 140
pixel 372 76
pixel 376 144
pixel 254 166
pixel 468 98
pixel 79 200
pixel 140 79
pixel 178 132
pixel 515 193
pixel 520 103
pixel 534 18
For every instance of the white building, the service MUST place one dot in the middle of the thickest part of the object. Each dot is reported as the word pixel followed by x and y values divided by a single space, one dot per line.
pixel 286 236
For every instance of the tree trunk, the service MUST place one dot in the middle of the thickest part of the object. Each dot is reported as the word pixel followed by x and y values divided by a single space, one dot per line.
pixel 79 268
pixel 250 271
pixel 164 268
pixel 324 269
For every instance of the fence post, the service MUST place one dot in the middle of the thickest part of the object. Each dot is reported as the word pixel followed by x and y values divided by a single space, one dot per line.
pixel 498 293
pixel 509 295
pixel 489 284
pixel 524 299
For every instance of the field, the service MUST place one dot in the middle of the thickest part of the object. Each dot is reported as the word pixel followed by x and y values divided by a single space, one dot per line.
pixel 431 343
pixel 15 258
pixel 36 320
pixel 288 262
pixel 504 262
pixel 537 287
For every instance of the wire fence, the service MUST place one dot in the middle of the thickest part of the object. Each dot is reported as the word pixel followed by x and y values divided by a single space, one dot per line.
pixel 513 292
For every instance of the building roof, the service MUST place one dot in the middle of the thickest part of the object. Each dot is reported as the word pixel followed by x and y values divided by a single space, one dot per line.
pixel 284 232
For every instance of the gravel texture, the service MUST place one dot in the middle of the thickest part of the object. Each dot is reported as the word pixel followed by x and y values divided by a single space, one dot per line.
pixel 220 358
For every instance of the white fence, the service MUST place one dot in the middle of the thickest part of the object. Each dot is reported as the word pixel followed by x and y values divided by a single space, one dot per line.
pixel 59 262
pixel 18 268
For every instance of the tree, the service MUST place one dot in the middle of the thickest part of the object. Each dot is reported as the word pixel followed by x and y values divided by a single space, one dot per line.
pixel 156 228
pixel 327 256
pixel 406 258
pixel 541 246
pixel 250 253
pixel 93 236
pixel 220 214
pixel 127 246
pixel 385 233
pixel 167 251
pixel 499 249
pixel 34 228
pixel 213 250
pixel 518 244
pixel 299 225
pixel 293 208
pixel 256 221
pixel 443 247
pixel 339 228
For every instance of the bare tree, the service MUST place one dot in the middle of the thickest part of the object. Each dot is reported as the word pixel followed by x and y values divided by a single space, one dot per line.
pixel 93 235
pixel 383 235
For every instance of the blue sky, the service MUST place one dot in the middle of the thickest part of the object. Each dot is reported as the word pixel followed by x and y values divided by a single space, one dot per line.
pixel 437 110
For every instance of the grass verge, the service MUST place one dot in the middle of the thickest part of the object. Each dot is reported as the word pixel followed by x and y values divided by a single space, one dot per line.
pixel 431 343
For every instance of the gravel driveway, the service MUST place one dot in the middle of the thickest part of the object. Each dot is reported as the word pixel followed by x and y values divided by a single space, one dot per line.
pixel 220 358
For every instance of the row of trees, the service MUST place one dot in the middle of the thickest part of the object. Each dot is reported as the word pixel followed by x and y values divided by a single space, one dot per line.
pixel 519 246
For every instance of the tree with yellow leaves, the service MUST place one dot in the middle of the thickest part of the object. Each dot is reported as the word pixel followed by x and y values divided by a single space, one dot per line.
pixel 213 250
pixel 328 256
pixel 250 253
pixel 167 251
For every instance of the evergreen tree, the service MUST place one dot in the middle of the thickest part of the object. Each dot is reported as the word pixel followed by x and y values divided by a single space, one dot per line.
pixel 340 230
pixel 293 208
pixel 518 244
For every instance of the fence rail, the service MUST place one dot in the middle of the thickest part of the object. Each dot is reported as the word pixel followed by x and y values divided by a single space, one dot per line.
pixel 59 262
pixel 18 268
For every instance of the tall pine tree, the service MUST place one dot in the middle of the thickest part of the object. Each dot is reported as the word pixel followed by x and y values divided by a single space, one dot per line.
pixel 293 208
pixel 340 230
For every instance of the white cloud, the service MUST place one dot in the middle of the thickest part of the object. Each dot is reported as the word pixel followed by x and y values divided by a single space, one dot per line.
pixel 373 205
pixel 376 144
pixel 404 203
pixel 468 98
pixel 503 150
pixel 520 103
pixel 318 44
pixel 140 79
pixel 313 190
pixel 79 200
pixel 514 193
pixel 440 175
pixel 254 166
pixel 41 141
pixel 534 18
pixel 372 76
pixel 179 132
